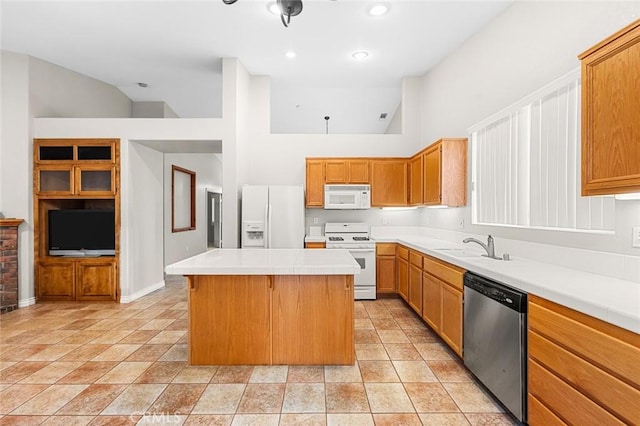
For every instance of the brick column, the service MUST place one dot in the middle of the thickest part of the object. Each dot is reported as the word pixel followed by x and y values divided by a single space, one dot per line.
pixel 9 264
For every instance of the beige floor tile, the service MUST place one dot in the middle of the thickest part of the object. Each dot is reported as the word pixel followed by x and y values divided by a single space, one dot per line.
pixel 139 336
pixel 116 353
pixel 378 371
pixel 148 353
pixel 111 336
pixel 52 353
pixel 53 337
pixel 411 323
pixel 363 335
pixel 68 421
pixel 444 419
pixel 131 324
pixel 52 372
pixel 368 351
pixel 179 324
pixel 219 399
pixel 269 374
pixel 388 398
pixel 148 314
pixel 304 398
pixel 85 352
pixel 178 399
pixel 393 336
pixel 162 418
pixel 177 352
pixel 125 372
pixel 430 398
pixel 80 324
pixel 16 395
pixel 404 419
pixel 167 336
pixel 385 323
pixel 402 352
pixel 350 420
pixel 342 373
pixel 490 419
pixel 82 337
pixel 6 364
pixel 49 400
pixel 23 420
pixel 195 374
pixel 450 371
pixel 92 400
pixel 303 419
pixel 161 372
pixel 256 420
pixel 262 398
pixel 434 352
pixel 471 398
pixel 232 374
pixel 156 324
pixel 136 398
pixel 414 371
pixel 88 372
pixel 106 324
pixel 20 370
pixel 22 352
pixel 363 323
pixel 346 398
pixel 305 374
pixel 209 420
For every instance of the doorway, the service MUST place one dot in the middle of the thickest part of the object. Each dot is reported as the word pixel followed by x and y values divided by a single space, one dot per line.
pixel 214 219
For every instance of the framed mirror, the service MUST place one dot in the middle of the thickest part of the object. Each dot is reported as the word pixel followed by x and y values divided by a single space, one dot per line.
pixel 183 199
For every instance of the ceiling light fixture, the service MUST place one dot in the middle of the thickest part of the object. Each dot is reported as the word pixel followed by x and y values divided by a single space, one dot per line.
pixel 285 8
pixel 143 85
pixel 360 55
pixel 290 54
pixel 378 10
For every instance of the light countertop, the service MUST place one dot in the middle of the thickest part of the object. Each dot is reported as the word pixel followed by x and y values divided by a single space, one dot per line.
pixel 315 239
pixel 612 300
pixel 267 262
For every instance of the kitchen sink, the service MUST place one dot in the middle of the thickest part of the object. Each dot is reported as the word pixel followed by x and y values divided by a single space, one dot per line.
pixel 455 252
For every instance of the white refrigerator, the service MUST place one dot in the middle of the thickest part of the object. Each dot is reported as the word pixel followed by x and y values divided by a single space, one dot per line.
pixel 272 216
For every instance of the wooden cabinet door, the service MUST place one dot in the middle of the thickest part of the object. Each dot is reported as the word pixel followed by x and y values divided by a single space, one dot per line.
pixel 358 171
pixel 314 194
pixel 610 111
pixel 385 274
pixel 96 280
pixel 415 180
pixel 431 296
pixel 95 180
pixel 315 245
pixel 415 288
pixel 229 320
pixel 333 335
pixel 432 175
pixel 451 324
pixel 55 280
pixel 403 278
pixel 388 183
pixel 335 171
pixel 54 180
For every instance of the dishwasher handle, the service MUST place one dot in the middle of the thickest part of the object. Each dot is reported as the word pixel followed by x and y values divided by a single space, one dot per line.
pixel 507 296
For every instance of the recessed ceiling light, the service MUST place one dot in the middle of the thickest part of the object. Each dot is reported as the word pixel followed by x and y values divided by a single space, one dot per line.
pixel 274 8
pixel 360 55
pixel 378 10
pixel 142 84
pixel 290 54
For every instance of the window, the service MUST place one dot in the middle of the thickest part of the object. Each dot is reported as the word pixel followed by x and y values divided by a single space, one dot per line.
pixel 526 165
pixel 183 199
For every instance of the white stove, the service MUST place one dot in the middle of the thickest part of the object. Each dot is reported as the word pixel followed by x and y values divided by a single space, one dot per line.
pixel 355 238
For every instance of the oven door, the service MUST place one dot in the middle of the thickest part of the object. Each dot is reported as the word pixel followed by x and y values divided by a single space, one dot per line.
pixel 365 282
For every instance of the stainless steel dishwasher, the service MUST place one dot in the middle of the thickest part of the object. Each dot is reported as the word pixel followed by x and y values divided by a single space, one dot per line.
pixel 495 340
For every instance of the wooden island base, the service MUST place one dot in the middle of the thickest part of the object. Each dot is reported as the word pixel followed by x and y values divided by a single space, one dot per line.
pixel 271 319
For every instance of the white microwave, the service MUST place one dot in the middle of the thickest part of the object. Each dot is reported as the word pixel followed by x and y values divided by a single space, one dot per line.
pixel 347 197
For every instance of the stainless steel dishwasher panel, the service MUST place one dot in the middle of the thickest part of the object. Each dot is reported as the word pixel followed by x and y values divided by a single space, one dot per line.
pixel 495 348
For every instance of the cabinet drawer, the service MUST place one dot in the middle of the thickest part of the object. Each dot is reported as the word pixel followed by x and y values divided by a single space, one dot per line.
pixel 402 252
pixel 416 259
pixel 615 350
pixel 574 407
pixel 609 392
pixel 385 249
pixel 539 414
pixel 446 272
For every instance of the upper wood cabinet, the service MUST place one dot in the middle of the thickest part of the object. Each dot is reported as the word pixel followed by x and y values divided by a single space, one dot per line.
pixel 445 173
pixel 345 170
pixel 416 179
pixel 611 114
pixel 314 194
pixel 389 182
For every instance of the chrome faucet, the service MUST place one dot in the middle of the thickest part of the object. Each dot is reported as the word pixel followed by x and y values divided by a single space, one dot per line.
pixel 489 247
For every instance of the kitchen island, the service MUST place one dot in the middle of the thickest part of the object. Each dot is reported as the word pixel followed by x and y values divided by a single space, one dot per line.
pixel 274 306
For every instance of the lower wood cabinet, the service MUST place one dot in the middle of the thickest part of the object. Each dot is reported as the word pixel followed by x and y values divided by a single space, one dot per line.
pixel 452 317
pixel 432 301
pixel 385 268
pixel 415 282
pixel 402 270
pixel 581 370
pixel 77 279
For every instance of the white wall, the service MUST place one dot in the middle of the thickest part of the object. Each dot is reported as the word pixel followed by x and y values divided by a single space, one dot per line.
pixel 521 50
pixel 180 245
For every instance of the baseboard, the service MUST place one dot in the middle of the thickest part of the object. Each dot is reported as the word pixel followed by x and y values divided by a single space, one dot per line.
pixel 138 294
pixel 26 302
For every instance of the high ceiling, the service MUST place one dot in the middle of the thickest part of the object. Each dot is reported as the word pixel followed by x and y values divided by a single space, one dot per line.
pixel 175 47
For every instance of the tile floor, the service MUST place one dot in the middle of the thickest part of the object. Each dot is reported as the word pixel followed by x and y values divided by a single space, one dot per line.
pixel 120 364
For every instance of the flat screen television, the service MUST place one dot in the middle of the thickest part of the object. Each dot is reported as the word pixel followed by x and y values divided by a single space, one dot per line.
pixel 82 232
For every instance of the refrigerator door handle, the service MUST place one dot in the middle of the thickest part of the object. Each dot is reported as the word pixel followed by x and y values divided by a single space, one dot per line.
pixel 266 234
pixel 269 226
